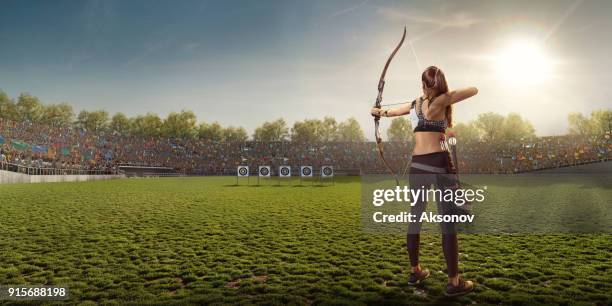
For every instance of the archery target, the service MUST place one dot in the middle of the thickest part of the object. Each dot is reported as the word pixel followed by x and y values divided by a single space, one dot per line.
pixel 327 171
pixel 306 171
pixel 243 171
pixel 264 171
pixel 284 171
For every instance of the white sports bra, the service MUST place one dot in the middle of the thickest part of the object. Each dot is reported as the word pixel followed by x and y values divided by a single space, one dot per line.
pixel 414 119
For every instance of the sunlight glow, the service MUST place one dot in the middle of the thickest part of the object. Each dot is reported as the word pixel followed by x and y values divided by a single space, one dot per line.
pixel 523 63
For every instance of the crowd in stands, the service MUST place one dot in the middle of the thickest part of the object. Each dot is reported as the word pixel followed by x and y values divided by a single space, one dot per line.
pixel 50 147
pixel 529 155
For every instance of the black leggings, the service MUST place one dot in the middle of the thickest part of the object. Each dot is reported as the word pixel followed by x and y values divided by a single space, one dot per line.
pixel 422 179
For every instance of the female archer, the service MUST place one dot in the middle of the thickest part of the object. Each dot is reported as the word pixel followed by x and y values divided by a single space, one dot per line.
pixel 430 115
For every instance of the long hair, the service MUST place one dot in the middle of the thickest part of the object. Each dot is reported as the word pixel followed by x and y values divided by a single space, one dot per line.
pixel 433 79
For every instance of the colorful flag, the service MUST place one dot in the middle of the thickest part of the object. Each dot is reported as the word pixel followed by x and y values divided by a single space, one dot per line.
pixel 51 152
pixel 39 149
pixel 19 145
pixel 65 151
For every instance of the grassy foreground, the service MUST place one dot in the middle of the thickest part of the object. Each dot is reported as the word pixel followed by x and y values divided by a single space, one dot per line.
pixel 202 240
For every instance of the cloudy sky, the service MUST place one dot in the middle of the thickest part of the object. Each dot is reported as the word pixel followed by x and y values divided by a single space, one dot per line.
pixel 245 62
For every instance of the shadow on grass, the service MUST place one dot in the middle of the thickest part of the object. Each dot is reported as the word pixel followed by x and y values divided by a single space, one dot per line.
pixel 277 185
pixel 282 185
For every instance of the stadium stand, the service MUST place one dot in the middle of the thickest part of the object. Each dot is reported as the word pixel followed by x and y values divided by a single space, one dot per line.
pixel 46 150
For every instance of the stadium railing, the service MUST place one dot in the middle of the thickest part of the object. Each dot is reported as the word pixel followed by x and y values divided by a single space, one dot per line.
pixel 51 171
pixel 132 170
pixel 154 174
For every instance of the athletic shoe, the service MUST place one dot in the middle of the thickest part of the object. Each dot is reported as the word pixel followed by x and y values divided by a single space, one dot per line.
pixel 462 288
pixel 418 277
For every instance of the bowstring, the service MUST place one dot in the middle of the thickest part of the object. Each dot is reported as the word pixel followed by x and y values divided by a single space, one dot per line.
pixel 395 104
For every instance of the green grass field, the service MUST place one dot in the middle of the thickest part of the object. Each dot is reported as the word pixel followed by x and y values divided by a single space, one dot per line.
pixel 202 240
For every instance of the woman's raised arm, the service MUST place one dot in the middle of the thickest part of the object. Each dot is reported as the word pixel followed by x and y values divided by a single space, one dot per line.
pixel 458 95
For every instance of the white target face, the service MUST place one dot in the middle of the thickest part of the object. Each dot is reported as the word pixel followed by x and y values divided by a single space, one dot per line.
pixel 264 171
pixel 284 171
pixel 243 171
pixel 306 171
pixel 327 171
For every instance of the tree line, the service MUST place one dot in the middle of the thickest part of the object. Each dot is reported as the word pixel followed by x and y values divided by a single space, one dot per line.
pixel 183 124
pixel 492 127
pixel 489 127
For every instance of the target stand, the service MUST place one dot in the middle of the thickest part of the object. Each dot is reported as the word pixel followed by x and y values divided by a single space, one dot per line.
pixel 264 173
pixel 241 173
pixel 306 172
pixel 327 174
pixel 284 172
